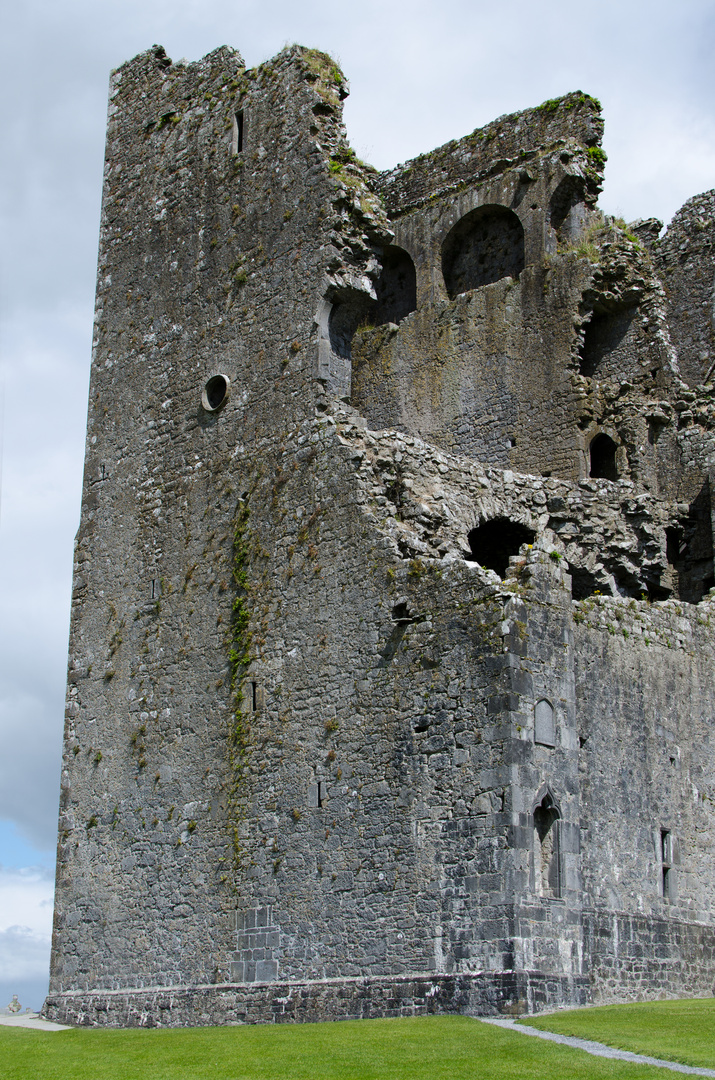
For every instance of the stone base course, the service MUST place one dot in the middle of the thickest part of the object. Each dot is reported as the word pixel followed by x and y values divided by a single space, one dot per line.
pixel 482 993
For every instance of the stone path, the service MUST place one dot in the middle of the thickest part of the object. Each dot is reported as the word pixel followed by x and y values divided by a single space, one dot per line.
pixel 31 1020
pixel 596 1048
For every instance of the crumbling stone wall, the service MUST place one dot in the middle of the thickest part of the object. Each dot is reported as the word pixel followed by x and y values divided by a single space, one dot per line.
pixel 388 683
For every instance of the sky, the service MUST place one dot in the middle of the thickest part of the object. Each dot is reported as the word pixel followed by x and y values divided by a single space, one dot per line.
pixel 420 73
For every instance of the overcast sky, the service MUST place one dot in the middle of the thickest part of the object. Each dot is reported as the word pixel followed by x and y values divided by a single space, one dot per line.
pixel 420 73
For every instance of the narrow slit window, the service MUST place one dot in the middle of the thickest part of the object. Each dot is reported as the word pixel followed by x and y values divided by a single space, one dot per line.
pixel 237 140
pixel 666 858
pixel 154 592
pixel 254 696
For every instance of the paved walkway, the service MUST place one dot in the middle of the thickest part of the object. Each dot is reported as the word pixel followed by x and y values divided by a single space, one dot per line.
pixel 596 1048
pixel 33 1020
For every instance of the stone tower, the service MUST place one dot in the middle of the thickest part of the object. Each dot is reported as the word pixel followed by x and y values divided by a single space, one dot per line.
pixel 390 682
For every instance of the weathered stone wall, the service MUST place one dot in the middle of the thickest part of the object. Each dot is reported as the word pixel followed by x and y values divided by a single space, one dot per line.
pixel 363 721
pixel 329 999
pixel 647 700
pixel 637 957
pixel 210 262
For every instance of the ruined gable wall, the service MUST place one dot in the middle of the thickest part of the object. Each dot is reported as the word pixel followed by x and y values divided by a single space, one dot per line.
pixel 567 126
pixel 684 256
pixel 486 374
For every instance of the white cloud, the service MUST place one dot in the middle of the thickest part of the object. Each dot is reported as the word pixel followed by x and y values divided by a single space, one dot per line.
pixel 24 955
pixel 26 895
pixel 26 898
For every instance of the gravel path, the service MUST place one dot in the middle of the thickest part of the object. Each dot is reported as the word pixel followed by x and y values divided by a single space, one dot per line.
pixel 596 1048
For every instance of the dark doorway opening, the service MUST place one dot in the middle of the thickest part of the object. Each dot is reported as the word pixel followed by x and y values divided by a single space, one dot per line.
pixel 602 453
pixel 564 207
pixel 345 317
pixel 689 550
pixel 583 583
pixel 396 288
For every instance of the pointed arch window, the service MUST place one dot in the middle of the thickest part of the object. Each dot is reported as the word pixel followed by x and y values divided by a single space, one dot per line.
pixel 547 849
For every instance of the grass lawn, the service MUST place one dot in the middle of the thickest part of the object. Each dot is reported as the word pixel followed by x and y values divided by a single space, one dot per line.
pixel 678 1030
pixel 419 1048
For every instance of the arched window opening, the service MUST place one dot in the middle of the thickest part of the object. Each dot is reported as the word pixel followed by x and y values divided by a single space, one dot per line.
pixel 485 245
pixel 547 856
pixel 396 288
pixel 493 542
pixel 544 723
pixel 603 335
pixel 602 452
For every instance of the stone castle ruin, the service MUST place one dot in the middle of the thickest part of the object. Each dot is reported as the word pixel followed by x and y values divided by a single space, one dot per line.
pixel 391 663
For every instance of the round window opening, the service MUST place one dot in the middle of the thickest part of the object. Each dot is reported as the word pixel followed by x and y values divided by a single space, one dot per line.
pixel 215 393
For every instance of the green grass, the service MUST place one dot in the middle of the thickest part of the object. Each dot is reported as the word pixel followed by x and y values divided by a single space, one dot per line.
pixel 419 1048
pixel 681 1031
